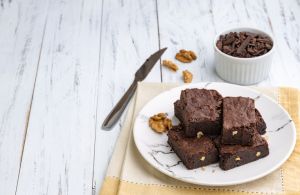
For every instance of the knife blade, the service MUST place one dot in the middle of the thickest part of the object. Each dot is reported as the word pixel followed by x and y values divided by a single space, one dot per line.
pixel 140 75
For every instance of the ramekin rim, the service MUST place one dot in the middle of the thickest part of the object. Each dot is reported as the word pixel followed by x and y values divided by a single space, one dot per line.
pixel 236 29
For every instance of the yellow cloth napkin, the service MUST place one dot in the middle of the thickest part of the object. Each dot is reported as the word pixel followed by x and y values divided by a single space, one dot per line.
pixel 129 174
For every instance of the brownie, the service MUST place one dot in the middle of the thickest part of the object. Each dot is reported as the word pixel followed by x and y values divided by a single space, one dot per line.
pixel 260 123
pixel 193 152
pixel 239 121
pixel 199 110
pixel 232 156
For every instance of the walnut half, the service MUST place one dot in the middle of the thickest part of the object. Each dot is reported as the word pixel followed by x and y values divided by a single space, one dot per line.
pixel 185 56
pixel 171 65
pixel 187 76
pixel 160 123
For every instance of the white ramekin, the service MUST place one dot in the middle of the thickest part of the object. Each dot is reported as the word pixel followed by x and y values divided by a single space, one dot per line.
pixel 243 71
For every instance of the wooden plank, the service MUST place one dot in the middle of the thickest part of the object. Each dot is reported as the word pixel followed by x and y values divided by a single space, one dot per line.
pixel 284 18
pixel 196 30
pixel 129 37
pixel 22 26
pixel 59 150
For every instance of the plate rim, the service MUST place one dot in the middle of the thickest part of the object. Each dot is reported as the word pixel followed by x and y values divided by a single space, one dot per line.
pixel 229 183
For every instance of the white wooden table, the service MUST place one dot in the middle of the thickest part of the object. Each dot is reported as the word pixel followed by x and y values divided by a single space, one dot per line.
pixel 65 63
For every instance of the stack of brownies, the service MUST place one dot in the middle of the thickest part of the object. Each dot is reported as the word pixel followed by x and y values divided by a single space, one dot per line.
pixel 215 129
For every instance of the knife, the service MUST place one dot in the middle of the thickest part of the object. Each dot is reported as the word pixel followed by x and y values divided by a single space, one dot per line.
pixel 140 75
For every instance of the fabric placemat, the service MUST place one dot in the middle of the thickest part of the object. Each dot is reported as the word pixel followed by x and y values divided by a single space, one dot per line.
pixel 128 173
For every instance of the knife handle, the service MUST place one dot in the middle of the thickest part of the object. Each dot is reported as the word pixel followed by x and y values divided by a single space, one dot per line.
pixel 117 111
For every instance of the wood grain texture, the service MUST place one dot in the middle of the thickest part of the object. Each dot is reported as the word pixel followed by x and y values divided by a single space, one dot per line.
pixel 59 149
pixel 188 25
pixel 129 37
pixel 284 17
pixel 22 26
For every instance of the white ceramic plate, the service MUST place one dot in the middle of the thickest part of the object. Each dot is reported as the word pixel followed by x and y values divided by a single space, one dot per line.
pixel 281 136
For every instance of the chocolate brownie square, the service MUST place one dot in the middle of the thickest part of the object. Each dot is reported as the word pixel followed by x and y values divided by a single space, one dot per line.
pixel 193 152
pixel 232 156
pixel 199 110
pixel 260 123
pixel 239 120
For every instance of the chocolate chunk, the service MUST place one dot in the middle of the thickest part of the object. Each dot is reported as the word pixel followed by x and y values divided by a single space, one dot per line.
pixel 229 40
pixel 219 44
pixel 251 51
pixel 250 34
pixel 268 46
pixel 228 49
pixel 243 45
